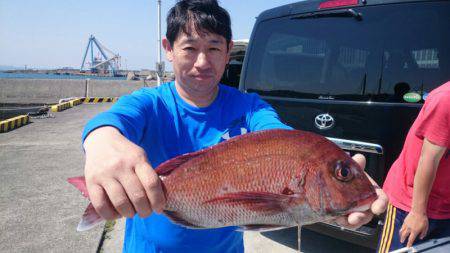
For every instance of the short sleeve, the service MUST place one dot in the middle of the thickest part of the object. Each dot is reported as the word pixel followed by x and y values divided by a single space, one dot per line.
pixel 435 120
pixel 263 116
pixel 129 115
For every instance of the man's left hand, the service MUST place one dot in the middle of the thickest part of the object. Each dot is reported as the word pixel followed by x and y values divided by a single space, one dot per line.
pixel 357 219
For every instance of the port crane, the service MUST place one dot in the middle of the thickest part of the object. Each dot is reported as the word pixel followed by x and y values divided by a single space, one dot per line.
pixel 102 63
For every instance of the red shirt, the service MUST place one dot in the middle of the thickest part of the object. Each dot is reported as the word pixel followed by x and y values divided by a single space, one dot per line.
pixel 433 123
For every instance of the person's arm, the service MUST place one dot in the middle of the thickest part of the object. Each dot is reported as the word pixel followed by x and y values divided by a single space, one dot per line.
pixel 119 179
pixel 434 130
pixel 263 116
pixel 416 222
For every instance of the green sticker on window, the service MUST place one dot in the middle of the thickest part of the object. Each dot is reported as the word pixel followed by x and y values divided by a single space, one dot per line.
pixel 412 97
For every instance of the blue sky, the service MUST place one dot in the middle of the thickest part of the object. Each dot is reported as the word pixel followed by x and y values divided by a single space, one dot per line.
pixel 54 33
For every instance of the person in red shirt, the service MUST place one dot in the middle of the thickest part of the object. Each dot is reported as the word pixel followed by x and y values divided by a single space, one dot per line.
pixel 418 183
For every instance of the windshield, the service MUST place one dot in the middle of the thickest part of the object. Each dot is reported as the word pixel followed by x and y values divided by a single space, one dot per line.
pixel 390 51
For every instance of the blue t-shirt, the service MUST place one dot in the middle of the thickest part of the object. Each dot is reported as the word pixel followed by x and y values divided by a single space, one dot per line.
pixel 165 126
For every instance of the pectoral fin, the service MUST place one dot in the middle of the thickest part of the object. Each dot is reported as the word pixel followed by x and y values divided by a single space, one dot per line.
pixel 256 201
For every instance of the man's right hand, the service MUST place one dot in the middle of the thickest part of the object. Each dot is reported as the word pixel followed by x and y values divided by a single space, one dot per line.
pixel 119 179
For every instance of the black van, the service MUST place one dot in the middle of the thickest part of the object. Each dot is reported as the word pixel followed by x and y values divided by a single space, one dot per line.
pixel 356 71
pixel 232 73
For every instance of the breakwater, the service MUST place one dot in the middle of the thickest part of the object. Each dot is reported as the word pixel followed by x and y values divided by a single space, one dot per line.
pixel 49 91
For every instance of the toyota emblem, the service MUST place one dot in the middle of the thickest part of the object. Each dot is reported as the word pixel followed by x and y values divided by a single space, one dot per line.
pixel 324 121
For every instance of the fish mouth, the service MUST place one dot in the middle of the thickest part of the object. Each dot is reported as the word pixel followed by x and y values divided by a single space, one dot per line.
pixel 361 205
pixel 362 208
pixel 364 203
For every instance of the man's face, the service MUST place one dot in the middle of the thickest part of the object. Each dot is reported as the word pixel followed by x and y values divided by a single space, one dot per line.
pixel 198 60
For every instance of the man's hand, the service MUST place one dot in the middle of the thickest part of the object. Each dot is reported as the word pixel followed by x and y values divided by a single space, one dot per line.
pixel 119 179
pixel 357 219
pixel 415 224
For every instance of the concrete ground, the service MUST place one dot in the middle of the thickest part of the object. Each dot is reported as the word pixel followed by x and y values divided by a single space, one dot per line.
pixel 39 209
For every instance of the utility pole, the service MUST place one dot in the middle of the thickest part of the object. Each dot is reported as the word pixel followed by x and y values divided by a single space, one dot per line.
pixel 159 64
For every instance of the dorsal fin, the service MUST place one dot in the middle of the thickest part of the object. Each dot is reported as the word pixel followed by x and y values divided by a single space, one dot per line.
pixel 168 166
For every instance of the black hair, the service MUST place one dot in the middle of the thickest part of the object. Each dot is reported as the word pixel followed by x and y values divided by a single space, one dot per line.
pixel 204 15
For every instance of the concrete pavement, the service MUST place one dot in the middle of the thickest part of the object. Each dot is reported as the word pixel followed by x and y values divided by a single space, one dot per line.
pixel 39 209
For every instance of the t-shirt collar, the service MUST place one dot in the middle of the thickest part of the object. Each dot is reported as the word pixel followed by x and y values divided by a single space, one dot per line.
pixel 190 107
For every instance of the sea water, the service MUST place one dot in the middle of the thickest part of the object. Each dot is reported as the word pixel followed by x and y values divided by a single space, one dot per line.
pixel 53 76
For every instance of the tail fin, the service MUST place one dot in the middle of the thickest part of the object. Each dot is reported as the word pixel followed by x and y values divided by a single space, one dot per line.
pixel 80 184
pixel 90 217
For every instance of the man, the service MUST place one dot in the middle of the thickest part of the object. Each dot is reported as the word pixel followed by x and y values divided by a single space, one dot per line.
pixel 142 130
pixel 418 183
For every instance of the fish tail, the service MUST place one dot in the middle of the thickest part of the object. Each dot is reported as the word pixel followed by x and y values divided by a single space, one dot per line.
pixel 80 184
pixel 90 217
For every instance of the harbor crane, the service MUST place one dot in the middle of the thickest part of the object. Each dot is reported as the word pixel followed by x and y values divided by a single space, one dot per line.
pixel 102 63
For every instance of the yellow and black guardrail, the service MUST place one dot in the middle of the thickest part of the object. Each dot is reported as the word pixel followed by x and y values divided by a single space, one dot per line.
pixel 61 107
pixel 66 105
pixel 76 102
pixel 13 123
pixel 100 100
pixel 16 122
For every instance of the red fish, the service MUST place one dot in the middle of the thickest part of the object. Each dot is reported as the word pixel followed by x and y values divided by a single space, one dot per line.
pixel 260 180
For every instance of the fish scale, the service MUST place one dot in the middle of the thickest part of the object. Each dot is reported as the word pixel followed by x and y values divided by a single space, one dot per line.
pixel 266 179
pixel 202 212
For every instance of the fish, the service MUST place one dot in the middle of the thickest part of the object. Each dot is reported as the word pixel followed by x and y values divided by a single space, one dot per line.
pixel 259 181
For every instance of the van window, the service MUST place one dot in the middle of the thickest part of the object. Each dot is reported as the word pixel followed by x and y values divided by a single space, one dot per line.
pixel 426 58
pixel 394 49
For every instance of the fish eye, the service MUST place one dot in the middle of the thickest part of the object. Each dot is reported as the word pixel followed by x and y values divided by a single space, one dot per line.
pixel 343 172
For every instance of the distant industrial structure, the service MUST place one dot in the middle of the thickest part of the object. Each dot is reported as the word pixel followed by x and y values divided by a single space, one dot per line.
pixel 100 61
pixel 101 64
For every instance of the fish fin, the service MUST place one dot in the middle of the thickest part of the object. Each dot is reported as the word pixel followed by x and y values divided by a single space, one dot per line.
pixel 80 184
pixel 176 218
pixel 256 201
pixel 168 166
pixel 260 228
pixel 90 219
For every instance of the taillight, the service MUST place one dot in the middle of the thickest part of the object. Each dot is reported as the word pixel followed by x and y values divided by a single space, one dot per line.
pixel 337 3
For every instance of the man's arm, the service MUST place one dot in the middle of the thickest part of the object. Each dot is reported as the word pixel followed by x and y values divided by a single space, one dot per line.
pixel 263 116
pixel 416 222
